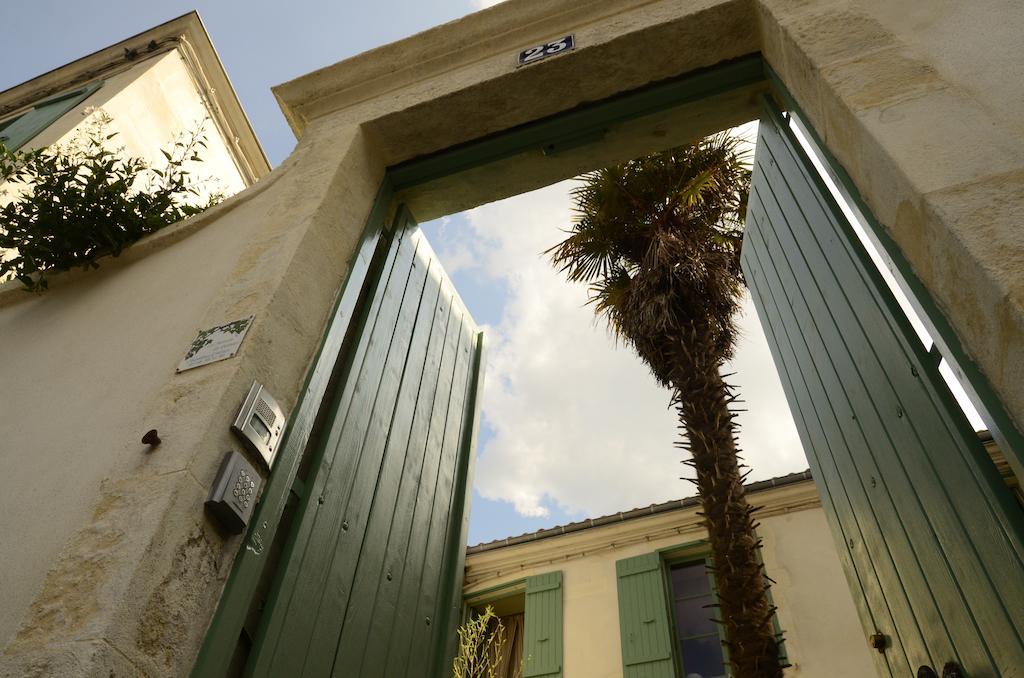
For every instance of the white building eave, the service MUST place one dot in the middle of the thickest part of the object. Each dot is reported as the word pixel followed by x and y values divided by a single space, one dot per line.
pixel 189 37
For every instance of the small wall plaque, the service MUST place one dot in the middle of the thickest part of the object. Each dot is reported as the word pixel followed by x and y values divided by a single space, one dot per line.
pixel 528 56
pixel 216 343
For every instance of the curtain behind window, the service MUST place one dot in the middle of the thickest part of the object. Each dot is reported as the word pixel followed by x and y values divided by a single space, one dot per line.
pixel 511 661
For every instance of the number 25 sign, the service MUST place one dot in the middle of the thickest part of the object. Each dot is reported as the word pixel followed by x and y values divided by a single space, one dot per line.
pixel 528 56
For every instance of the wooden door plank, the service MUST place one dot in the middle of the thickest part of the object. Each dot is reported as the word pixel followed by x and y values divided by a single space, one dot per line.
pixel 390 604
pixel 365 368
pixel 883 487
pixel 825 460
pixel 386 495
pixel 924 398
pixel 942 548
pixel 401 627
pixel 968 545
pixel 883 549
pixel 423 656
pixel 356 491
pixel 432 520
pixel 334 478
pixel 376 571
pixel 834 498
pixel 454 554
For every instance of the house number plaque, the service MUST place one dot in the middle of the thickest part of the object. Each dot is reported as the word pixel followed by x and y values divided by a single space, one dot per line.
pixel 560 46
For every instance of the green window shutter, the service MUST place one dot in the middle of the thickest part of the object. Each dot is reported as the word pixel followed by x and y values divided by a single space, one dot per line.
pixel 542 637
pixel 643 618
pixel 18 131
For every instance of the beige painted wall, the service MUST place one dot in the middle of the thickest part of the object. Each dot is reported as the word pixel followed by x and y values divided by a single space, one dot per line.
pixel 120 570
pixel 151 104
pixel 115 554
pixel 161 103
pixel 823 634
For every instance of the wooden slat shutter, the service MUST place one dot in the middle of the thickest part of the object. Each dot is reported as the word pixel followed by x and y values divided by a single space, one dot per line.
pixel 643 618
pixel 16 133
pixel 929 537
pixel 542 637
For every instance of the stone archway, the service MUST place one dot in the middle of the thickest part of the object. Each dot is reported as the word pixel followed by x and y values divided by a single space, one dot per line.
pixel 930 135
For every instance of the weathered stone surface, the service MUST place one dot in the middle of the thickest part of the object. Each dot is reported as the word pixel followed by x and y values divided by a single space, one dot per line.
pixel 882 78
pixel 836 32
pixel 167 623
pixel 87 659
pixel 985 219
pixel 92 580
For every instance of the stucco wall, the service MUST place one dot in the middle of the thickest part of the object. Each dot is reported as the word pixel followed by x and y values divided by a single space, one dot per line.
pixel 152 104
pixel 160 104
pixel 77 343
pixel 116 554
pixel 816 612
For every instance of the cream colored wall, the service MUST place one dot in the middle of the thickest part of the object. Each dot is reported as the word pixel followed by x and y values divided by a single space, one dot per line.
pixel 114 555
pixel 152 104
pixel 162 103
pixel 824 637
pixel 823 634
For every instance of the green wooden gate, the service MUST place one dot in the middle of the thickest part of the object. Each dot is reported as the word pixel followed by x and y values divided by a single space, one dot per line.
pixel 930 538
pixel 369 581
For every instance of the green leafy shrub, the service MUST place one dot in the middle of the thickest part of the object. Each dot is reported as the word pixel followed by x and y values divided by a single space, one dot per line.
pixel 71 204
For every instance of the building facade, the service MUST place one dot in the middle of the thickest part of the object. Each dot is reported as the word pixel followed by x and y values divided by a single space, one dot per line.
pixel 155 87
pixel 632 589
pixel 124 572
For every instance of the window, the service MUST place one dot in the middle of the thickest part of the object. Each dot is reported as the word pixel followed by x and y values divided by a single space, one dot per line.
pixel 510 609
pixel 18 130
pixel 698 643
pixel 531 612
pixel 665 628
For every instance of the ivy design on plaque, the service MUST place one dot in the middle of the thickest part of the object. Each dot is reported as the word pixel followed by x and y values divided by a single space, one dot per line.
pixel 216 343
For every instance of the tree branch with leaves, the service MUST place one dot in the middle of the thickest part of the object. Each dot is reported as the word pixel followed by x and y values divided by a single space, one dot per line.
pixel 71 204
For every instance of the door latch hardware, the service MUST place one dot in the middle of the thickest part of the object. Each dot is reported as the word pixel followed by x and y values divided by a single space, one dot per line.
pixel 952 670
pixel 949 670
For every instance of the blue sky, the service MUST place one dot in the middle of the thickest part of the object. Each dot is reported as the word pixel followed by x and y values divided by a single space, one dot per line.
pixel 261 42
pixel 573 425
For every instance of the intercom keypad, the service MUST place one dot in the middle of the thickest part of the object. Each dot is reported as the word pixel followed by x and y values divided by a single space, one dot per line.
pixel 234 492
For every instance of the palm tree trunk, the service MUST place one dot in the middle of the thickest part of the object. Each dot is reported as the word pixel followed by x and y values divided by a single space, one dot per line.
pixel 746 612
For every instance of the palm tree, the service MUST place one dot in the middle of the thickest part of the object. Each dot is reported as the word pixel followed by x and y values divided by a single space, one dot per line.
pixel 658 240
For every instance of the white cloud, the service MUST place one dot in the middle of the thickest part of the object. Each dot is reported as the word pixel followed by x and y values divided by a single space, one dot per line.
pixel 768 437
pixel 484 4
pixel 578 420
